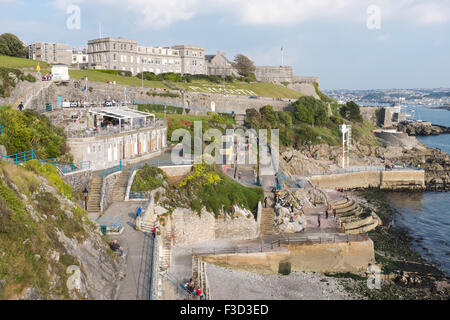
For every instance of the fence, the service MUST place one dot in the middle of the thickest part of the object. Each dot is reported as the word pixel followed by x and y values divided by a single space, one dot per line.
pixel 107 131
pixel 110 225
pixel 278 243
pixel 363 169
pixel 69 168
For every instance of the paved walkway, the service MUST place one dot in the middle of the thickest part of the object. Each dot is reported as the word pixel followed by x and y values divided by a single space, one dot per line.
pixel 138 249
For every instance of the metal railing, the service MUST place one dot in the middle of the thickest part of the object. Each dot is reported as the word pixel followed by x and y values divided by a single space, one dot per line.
pixel 364 169
pixel 1 129
pixel 139 195
pixel 106 131
pixel 278 243
pixel 73 167
pixel 155 266
pixel 20 157
pixel 111 225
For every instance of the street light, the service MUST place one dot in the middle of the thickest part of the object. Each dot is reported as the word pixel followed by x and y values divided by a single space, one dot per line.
pixel 85 192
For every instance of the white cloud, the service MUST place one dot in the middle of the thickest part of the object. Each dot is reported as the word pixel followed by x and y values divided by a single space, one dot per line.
pixel 162 13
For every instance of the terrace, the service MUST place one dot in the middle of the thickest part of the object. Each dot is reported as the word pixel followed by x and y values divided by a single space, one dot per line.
pixel 106 122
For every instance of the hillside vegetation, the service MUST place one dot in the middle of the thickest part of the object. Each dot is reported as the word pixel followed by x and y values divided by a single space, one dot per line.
pixel 42 233
pixel 311 121
pixel 208 187
pixel 28 130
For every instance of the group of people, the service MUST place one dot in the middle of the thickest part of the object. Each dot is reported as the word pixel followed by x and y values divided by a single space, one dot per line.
pixel 327 213
pixel 193 290
pixel 47 77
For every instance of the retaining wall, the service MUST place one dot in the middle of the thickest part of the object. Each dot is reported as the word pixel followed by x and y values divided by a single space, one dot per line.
pixel 352 256
pixel 386 180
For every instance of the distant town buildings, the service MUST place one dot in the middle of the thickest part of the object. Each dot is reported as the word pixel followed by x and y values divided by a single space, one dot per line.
pixel 50 52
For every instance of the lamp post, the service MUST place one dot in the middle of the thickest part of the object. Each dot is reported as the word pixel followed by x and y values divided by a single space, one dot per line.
pixel 85 192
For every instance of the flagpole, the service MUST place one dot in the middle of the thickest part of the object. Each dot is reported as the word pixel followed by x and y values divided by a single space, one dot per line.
pixel 282 62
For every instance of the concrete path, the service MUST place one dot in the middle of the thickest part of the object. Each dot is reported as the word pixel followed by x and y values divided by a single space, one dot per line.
pixel 138 249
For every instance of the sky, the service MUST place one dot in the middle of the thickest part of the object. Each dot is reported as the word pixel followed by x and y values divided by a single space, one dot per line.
pixel 348 44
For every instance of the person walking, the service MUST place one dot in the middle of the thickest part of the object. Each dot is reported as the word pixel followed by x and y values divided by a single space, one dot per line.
pixel 326 214
pixel 138 211
pixel 265 202
pixel 318 220
pixel 334 214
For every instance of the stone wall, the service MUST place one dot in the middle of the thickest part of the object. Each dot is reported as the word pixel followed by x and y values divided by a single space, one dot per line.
pixel 353 256
pixel 242 225
pixel 110 182
pixel 188 228
pixel 386 180
pixel 78 180
pixel 274 74
pixel 177 171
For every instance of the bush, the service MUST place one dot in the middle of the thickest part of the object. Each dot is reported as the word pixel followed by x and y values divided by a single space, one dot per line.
pixel 159 108
pixel 123 73
pixel 148 178
pixel 28 130
pixel 211 188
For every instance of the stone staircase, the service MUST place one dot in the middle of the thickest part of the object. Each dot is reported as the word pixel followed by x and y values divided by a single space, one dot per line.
pixel 95 189
pixel 120 188
pixel 166 252
pixel 267 218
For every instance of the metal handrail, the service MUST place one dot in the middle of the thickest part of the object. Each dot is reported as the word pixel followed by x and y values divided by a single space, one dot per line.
pixel 269 247
pixel 363 169
pixel 160 123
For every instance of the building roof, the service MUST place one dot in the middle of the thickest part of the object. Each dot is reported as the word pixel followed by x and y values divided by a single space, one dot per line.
pixel 123 113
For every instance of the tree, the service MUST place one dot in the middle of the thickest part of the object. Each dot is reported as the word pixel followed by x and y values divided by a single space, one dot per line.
pixel 350 111
pixel 10 45
pixel 244 65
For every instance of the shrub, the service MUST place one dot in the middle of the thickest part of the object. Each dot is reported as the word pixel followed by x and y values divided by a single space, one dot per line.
pixel 148 178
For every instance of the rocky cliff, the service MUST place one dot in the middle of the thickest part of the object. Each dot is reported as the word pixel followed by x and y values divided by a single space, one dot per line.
pixel 422 129
pixel 49 248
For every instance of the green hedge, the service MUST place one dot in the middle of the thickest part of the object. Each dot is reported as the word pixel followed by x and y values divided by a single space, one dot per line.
pixel 159 108
pixel 123 73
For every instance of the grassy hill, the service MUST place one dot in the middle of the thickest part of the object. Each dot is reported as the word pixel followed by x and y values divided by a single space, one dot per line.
pixel 21 63
pixel 42 233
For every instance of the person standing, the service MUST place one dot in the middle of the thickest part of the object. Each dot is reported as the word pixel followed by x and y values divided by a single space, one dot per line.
pixel 318 220
pixel 265 202
pixel 20 107
pixel 139 211
pixel 334 214
pixel 326 214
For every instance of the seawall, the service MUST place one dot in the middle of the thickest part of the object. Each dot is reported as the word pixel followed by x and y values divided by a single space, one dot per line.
pixel 384 180
pixel 352 256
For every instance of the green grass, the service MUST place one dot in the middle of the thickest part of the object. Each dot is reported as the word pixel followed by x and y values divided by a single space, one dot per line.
pixel 210 188
pixel 21 63
pixel 261 89
pixel 98 76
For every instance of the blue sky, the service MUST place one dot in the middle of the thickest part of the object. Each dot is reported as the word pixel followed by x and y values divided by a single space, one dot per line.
pixel 336 40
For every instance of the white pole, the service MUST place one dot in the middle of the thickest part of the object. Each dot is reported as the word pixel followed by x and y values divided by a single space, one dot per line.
pixel 282 57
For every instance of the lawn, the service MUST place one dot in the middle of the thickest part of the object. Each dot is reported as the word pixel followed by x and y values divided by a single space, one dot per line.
pixel 97 76
pixel 261 89
pixel 21 63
